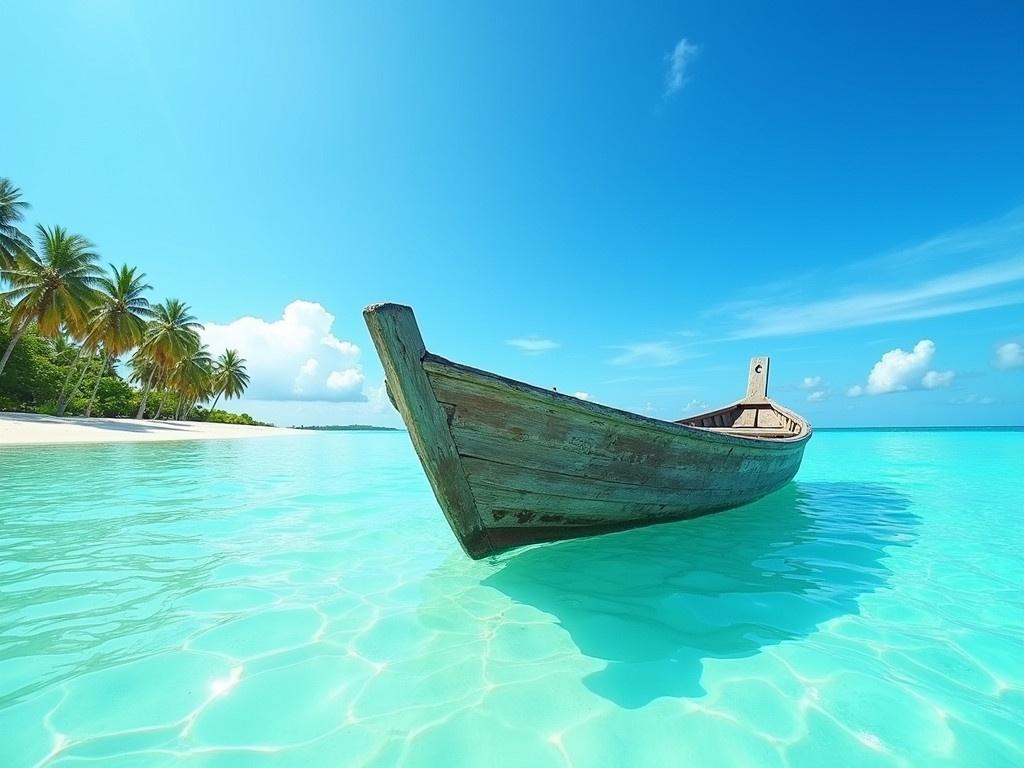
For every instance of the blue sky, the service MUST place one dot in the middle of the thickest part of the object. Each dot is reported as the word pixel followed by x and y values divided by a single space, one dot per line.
pixel 624 204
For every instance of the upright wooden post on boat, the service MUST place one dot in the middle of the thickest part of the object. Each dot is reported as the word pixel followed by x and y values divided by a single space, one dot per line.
pixel 757 381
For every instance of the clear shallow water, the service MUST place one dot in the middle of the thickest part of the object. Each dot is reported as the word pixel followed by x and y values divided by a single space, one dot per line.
pixel 301 602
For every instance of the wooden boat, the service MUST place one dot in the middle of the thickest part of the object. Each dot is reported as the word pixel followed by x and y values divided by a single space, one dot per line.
pixel 513 464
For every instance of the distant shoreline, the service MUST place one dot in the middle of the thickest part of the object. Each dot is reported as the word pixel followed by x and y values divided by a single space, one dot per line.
pixel 347 428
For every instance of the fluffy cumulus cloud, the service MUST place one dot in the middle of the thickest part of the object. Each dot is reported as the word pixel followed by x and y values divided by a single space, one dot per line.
pixel 296 357
pixel 582 395
pixel 898 370
pixel 532 345
pixel 811 382
pixel 1009 355
pixel 816 396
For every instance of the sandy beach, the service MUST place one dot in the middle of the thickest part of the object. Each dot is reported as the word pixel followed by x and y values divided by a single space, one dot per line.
pixel 37 429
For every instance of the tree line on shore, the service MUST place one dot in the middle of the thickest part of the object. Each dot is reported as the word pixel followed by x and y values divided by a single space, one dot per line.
pixel 66 324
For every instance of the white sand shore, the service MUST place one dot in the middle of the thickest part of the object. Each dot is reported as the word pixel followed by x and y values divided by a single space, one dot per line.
pixel 32 428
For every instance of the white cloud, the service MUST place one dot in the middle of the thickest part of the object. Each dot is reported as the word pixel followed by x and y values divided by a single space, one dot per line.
pixel 1009 355
pixel 533 345
pixel 296 357
pixel 816 387
pixel 582 395
pixel 896 369
pixel 345 347
pixel 895 288
pixel 649 353
pixel 345 381
pixel 678 61
pixel 936 380
pixel 973 400
pixel 695 406
pixel 965 291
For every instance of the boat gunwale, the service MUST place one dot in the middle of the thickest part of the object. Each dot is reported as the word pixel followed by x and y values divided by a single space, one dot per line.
pixel 437 364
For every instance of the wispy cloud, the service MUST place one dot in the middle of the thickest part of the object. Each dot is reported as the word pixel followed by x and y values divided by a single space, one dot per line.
pixel 997 280
pixel 973 400
pixel 533 345
pixel 655 354
pixel 952 294
pixel 816 387
pixel 678 61
pixel 937 379
pixel 695 406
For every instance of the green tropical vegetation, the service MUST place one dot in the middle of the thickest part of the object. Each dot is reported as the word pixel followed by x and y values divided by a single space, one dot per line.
pixel 12 210
pixel 67 326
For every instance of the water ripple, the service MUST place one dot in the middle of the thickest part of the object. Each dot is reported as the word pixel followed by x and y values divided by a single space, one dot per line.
pixel 301 602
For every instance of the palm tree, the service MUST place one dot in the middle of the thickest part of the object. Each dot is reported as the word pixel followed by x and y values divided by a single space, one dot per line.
pixel 53 289
pixel 143 372
pixel 119 320
pixel 63 348
pixel 230 378
pixel 172 335
pixel 12 240
pixel 192 379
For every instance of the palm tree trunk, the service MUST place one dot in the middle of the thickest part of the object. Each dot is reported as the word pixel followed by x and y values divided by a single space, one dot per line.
pixel 64 399
pixel 215 401
pixel 74 389
pixel 10 347
pixel 96 386
pixel 145 394
pixel 160 408
pixel 62 403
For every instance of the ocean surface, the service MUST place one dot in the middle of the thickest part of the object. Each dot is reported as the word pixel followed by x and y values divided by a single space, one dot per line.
pixel 301 602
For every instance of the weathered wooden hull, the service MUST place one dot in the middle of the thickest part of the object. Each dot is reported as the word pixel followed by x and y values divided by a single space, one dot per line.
pixel 513 464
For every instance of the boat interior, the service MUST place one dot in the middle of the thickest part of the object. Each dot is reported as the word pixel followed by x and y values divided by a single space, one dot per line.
pixel 761 420
pixel 753 416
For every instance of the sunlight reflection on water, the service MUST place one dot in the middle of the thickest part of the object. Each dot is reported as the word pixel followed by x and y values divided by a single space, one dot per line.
pixel 302 602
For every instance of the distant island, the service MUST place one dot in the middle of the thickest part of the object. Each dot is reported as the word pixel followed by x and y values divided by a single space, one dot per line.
pixel 349 428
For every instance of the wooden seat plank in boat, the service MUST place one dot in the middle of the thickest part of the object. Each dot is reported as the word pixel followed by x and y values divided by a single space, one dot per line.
pixel 511 463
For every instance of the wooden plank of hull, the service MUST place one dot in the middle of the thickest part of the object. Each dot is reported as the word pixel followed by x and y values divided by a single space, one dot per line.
pixel 462 378
pixel 669 466
pixel 491 423
pixel 512 464
pixel 510 507
pixel 484 474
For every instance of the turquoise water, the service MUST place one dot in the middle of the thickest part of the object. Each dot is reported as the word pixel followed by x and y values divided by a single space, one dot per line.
pixel 301 602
